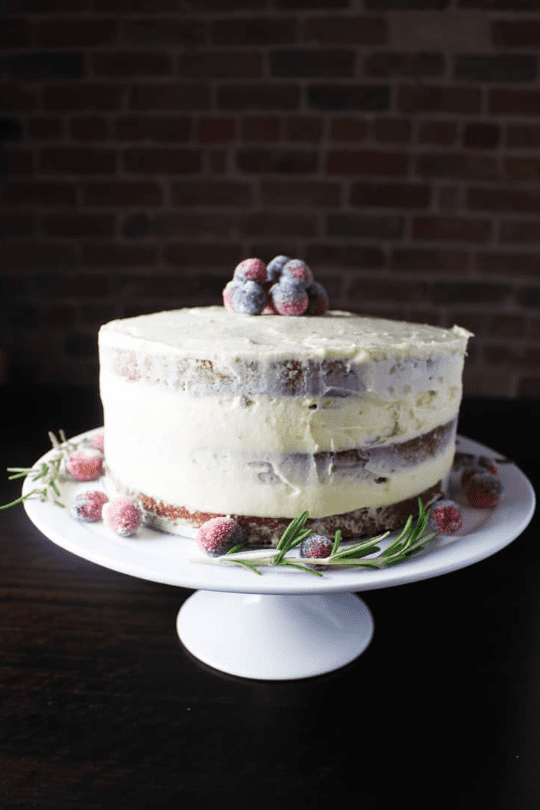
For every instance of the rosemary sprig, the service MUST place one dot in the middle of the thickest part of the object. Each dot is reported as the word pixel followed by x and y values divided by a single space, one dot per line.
pixel 49 473
pixel 411 539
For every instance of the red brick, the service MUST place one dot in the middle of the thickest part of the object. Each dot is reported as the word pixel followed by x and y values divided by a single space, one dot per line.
pixel 430 260
pixel 385 289
pixel 119 194
pixel 306 194
pixel 216 161
pixel 18 161
pixel 523 136
pixel 271 224
pixel 16 33
pixel 17 224
pixel 392 130
pixel 345 29
pixel 167 160
pixel 77 160
pixel 520 231
pixel 82 97
pixel 267 96
pixel 161 31
pixel 215 130
pixel 514 357
pixel 15 98
pixel 115 255
pixel 507 264
pixel 348 257
pixel 366 161
pixel 76 225
pixel 529 388
pixel 69 32
pixel 131 63
pixel 161 128
pixel 170 96
pixel 59 315
pixel 219 64
pixel 89 128
pixel 303 128
pixel 202 254
pixel 261 128
pixel 451 228
pixel 208 224
pixel 438 133
pixel 516 33
pixel 391 63
pixel 470 292
pixel 505 101
pixel 526 168
pixel 354 97
pixel 504 324
pixel 213 193
pixel 43 66
pixel 39 193
pixel 481 135
pixel 286 224
pixel 390 195
pixel 291 161
pixel 364 226
pixel 45 128
pixel 462 99
pixel 253 31
pixel 348 129
pixel 488 198
pixel 37 255
pixel 457 164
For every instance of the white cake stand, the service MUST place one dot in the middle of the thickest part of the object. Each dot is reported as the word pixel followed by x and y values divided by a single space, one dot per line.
pixel 283 624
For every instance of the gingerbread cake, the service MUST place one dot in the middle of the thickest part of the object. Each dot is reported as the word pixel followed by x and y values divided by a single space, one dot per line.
pixel 210 412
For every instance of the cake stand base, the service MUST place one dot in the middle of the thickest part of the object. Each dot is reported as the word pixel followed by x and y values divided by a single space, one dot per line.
pixel 274 637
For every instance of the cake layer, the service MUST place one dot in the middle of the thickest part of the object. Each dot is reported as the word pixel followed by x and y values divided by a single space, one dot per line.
pixel 208 411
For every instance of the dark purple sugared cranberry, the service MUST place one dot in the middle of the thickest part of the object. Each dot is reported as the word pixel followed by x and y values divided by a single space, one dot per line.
pixel 249 298
pixel 274 268
pixel 297 269
pixel 289 297
pixel 317 298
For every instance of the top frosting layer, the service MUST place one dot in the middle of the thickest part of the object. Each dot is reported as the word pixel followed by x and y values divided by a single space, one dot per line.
pixel 212 332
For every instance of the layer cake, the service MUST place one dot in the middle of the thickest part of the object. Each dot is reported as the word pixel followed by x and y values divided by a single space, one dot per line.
pixel 209 412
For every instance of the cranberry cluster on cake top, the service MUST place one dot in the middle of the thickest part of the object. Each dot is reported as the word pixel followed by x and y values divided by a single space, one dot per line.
pixel 284 286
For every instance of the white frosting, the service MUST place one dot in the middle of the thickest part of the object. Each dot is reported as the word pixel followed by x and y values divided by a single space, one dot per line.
pixel 201 443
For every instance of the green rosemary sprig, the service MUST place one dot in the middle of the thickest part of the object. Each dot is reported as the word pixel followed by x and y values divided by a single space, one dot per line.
pixel 411 539
pixel 48 473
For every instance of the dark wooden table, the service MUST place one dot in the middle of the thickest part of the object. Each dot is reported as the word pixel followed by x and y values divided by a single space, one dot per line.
pixel 101 707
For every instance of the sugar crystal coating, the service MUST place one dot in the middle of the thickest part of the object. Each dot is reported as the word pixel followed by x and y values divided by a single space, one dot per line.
pixel 250 269
pixel 88 505
pixel 316 546
pixel 249 298
pixel 217 535
pixel 122 516
pixel 445 518
pixel 274 268
pixel 98 441
pixel 228 292
pixel 483 489
pixel 85 464
pixel 317 298
pixel 289 297
pixel 298 270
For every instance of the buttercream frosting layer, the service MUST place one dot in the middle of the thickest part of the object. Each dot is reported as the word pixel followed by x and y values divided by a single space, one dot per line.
pixel 271 416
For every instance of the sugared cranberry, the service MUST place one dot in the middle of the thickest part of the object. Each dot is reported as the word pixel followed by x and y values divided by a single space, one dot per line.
pixel 316 546
pixel 98 441
pixel 250 270
pixel 85 464
pixel 445 518
pixel 483 489
pixel 297 269
pixel 289 297
pixel 88 505
pixel 317 299
pixel 218 535
pixel 122 516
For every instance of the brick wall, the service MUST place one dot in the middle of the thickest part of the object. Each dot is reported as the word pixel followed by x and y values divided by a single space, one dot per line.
pixel 150 145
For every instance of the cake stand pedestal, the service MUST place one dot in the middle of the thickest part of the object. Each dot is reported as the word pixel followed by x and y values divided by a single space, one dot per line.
pixel 274 637
pixel 282 624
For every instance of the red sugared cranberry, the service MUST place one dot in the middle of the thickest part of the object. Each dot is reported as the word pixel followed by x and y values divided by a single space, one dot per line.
pixel 85 464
